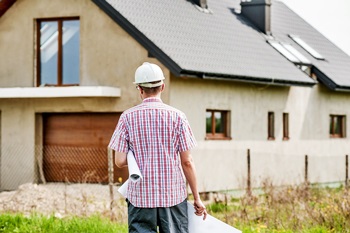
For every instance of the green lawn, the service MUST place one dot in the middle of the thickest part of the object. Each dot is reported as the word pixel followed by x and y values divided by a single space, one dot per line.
pixel 304 209
pixel 38 223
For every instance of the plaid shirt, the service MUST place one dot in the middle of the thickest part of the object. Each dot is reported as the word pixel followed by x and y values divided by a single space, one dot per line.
pixel 156 133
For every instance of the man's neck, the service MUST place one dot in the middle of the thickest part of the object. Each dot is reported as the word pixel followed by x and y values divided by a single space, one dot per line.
pixel 151 96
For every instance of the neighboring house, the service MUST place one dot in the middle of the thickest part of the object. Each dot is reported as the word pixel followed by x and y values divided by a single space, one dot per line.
pixel 250 75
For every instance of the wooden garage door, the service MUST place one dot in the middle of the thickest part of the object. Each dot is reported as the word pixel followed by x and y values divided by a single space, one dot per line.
pixel 75 147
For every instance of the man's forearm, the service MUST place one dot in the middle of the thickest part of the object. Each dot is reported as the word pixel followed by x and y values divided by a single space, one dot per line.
pixel 190 174
pixel 189 170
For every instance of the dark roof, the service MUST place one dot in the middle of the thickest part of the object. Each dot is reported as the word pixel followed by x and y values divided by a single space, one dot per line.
pixel 334 71
pixel 217 44
pixel 5 5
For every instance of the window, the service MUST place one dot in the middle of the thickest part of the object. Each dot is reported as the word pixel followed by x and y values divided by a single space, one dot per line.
pixel 307 47
pixel 285 126
pixel 289 52
pixel 58 42
pixel 337 127
pixel 217 124
pixel 271 126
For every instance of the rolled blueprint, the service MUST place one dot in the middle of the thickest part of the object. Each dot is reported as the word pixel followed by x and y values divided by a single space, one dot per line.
pixel 209 225
pixel 134 173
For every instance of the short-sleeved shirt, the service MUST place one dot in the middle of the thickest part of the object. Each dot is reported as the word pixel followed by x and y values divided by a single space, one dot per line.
pixel 155 133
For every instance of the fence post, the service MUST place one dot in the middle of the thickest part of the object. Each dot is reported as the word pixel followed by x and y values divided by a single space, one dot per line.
pixel 306 170
pixel 249 189
pixel 110 180
pixel 346 170
pixel 39 150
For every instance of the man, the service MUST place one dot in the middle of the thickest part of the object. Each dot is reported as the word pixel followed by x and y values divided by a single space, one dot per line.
pixel 161 139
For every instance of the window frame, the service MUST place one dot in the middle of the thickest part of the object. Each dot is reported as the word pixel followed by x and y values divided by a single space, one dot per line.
pixel 285 126
pixel 342 121
pixel 59 21
pixel 271 126
pixel 219 136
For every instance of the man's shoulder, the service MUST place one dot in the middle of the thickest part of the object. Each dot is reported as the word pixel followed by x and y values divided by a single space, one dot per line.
pixel 133 109
pixel 173 110
pixel 159 105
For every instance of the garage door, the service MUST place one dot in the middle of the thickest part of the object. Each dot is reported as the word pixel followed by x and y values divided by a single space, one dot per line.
pixel 75 147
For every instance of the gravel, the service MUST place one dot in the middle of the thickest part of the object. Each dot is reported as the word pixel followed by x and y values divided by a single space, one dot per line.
pixel 63 200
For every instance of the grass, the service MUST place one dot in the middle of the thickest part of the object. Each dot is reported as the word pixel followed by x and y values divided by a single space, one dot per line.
pixel 289 209
pixel 37 223
pixel 304 208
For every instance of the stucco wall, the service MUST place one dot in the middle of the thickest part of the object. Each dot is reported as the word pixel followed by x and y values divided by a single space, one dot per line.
pixel 108 57
pixel 17 150
pixel 222 165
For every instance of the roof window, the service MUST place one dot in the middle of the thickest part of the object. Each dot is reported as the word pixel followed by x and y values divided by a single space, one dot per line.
pixel 289 52
pixel 307 47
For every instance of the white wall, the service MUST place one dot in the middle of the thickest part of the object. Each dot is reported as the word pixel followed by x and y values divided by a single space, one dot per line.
pixel 108 57
pixel 222 165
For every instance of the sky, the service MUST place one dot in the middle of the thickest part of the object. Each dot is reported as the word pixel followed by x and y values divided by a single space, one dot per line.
pixel 330 17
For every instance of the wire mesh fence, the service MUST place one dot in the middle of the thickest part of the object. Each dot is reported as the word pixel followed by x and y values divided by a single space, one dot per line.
pixel 84 180
pixel 61 180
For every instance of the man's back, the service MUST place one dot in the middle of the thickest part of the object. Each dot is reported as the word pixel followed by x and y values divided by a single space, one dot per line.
pixel 161 139
pixel 156 134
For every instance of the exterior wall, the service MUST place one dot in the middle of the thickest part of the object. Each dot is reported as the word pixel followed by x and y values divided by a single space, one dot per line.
pixel 17 150
pixel 222 164
pixel 108 57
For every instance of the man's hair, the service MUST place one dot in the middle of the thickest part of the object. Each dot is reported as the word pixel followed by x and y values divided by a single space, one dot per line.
pixel 151 90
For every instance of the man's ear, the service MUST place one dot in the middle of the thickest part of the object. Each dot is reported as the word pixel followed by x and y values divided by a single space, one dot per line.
pixel 163 86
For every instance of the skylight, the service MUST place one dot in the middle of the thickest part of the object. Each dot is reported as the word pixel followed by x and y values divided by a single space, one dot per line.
pixel 296 53
pixel 289 52
pixel 307 47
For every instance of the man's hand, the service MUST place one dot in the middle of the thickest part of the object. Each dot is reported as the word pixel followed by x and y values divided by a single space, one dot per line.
pixel 200 209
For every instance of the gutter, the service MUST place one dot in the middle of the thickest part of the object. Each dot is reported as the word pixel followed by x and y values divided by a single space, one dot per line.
pixel 328 82
pixel 246 79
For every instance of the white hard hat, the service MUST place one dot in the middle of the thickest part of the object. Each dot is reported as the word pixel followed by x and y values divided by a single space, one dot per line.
pixel 148 73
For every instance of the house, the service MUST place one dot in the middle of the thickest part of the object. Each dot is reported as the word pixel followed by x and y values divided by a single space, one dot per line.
pixel 249 80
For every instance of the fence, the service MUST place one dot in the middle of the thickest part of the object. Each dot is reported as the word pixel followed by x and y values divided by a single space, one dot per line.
pixel 89 178
pixel 306 171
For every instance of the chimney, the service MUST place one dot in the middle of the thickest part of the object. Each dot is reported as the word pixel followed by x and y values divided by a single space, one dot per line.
pixel 201 3
pixel 259 13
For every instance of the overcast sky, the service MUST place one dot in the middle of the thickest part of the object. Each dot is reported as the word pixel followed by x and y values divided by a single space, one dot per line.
pixel 330 17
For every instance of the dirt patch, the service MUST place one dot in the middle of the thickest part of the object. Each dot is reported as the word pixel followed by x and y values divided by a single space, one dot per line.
pixel 64 200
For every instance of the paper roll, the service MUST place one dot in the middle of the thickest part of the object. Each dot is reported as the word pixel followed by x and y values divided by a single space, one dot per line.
pixel 134 173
